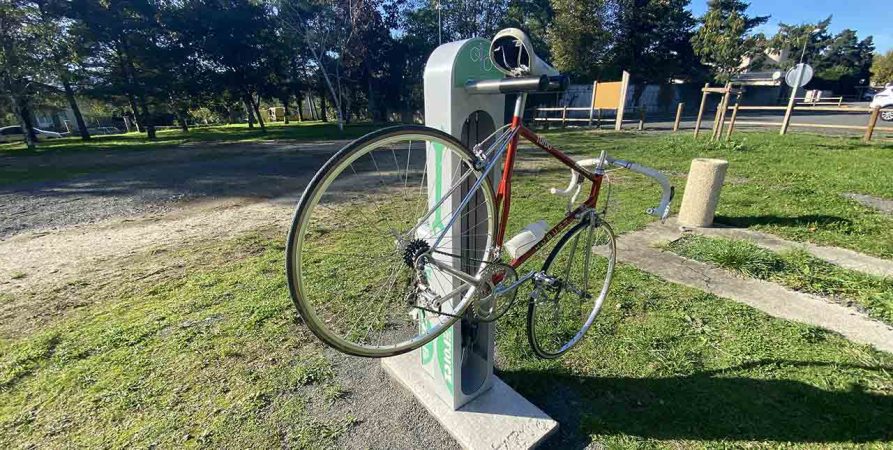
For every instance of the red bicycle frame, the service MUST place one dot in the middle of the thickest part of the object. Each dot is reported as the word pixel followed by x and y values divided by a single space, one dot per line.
pixel 504 192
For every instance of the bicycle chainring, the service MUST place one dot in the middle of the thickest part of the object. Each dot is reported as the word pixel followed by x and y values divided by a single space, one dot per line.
pixel 490 303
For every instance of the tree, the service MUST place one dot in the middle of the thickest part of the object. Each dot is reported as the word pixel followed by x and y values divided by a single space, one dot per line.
pixel 724 37
pixel 579 39
pixel 840 61
pixel 652 39
pixel 231 38
pixel 62 55
pixel 844 62
pixel 808 39
pixel 19 47
pixel 122 40
pixel 882 69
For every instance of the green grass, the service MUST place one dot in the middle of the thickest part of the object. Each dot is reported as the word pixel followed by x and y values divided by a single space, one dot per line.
pixel 25 166
pixel 213 358
pixel 786 185
pixel 795 269
pixel 174 137
pixel 212 355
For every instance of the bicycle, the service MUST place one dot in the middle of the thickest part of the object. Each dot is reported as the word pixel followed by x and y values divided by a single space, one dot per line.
pixel 378 267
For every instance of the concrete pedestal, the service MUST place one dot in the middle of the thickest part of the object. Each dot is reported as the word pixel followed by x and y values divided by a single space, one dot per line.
pixel 500 418
pixel 705 179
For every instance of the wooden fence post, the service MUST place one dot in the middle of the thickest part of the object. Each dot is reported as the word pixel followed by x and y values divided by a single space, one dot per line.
pixel 641 118
pixel 701 109
pixel 732 121
pixel 592 101
pixel 721 114
pixel 564 117
pixel 678 116
pixel 872 121
pixel 621 105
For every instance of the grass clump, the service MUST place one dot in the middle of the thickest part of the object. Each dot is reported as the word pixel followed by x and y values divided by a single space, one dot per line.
pixel 796 269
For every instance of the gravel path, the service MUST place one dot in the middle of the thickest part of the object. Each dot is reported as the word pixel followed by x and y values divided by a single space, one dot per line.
pixel 145 184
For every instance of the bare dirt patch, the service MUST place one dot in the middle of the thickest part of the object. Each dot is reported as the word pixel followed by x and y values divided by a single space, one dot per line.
pixel 43 274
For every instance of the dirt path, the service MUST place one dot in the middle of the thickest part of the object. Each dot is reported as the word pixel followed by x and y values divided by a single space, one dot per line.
pixel 41 258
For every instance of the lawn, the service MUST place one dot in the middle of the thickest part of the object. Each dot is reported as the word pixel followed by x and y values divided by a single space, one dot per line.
pixel 795 269
pixel 175 137
pixel 209 352
pixel 53 158
pixel 789 185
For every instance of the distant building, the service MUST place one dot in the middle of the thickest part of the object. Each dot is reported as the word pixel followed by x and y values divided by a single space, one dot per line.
pixel 53 118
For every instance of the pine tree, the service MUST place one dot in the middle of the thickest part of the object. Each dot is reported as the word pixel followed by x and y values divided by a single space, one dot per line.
pixel 725 37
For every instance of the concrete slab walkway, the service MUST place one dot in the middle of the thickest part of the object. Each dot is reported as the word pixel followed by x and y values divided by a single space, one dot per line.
pixel 638 249
pixel 842 257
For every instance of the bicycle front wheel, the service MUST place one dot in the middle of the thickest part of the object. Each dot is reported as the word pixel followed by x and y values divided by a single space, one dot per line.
pixel 355 253
pixel 579 271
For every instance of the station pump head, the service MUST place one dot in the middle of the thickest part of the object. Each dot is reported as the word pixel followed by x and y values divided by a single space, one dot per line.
pixel 512 53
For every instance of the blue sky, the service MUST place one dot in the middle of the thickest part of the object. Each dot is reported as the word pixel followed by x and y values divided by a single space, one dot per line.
pixel 867 17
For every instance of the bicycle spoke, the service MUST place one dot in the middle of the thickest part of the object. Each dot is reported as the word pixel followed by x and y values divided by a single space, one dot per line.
pixel 359 231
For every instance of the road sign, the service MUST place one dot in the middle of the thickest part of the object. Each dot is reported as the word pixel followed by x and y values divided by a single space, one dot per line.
pixel 791 77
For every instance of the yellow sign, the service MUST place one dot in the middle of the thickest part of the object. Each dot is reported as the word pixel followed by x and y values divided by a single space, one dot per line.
pixel 607 95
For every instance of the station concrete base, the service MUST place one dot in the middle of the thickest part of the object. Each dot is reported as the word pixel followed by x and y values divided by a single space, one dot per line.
pixel 498 419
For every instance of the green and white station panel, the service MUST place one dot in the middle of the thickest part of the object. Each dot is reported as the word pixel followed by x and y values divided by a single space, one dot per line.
pixel 452 376
pixel 460 360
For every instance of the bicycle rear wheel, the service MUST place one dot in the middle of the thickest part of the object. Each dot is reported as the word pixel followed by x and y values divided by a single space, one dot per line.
pixel 355 247
pixel 579 268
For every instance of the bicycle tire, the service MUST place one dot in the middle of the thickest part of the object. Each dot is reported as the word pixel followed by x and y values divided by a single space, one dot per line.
pixel 536 342
pixel 305 206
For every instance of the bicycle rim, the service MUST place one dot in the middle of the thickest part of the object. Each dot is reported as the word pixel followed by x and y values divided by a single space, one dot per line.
pixel 358 229
pixel 583 264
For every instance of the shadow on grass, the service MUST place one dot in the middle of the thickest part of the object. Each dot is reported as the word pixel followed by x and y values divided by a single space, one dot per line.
pixel 781 221
pixel 707 406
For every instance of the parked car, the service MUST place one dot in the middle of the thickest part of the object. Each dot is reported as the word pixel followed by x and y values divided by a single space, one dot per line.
pixel 15 134
pixel 884 100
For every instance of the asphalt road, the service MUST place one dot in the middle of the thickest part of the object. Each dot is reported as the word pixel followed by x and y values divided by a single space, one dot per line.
pixel 772 119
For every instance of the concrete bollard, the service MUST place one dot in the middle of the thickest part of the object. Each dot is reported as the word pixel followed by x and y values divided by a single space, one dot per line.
pixel 705 180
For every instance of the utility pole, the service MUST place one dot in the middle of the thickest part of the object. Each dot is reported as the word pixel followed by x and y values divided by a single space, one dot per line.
pixel 439 25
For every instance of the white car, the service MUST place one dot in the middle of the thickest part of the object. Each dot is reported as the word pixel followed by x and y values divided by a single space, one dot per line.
pixel 15 134
pixel 884 100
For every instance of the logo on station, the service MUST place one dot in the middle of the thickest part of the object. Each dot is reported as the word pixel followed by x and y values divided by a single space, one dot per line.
pixel 479 54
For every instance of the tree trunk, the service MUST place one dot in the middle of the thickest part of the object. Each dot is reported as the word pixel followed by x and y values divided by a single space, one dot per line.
pixel 285 108
pixel 312 105
pixel 300 108
pixel 260 119
pixel 322 108
pixel 137 120
pixel 250 110
pixel 181 117
pixel 373 114
pixel 147 119
pixel 76 110
pixel 24 116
